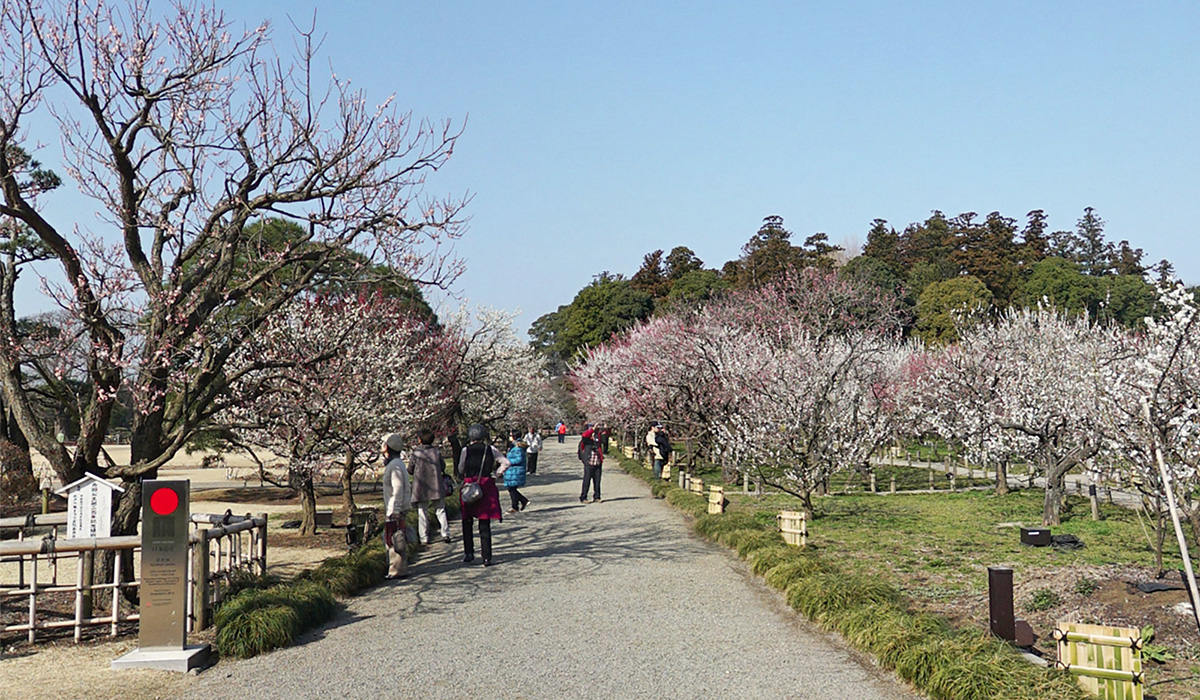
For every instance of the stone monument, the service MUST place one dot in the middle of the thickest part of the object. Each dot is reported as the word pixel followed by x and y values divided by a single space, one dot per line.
pixel 162 627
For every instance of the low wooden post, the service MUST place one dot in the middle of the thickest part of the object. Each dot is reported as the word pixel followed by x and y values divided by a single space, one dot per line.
pixel 716 500
pixel 1095 501
pixel 87 569
pixel 873 490
pixel 953 483
pixel 1000 603
pixel 262 545
pixel 793 526
pixel 201 592
pixel 930 479
pixel 892 488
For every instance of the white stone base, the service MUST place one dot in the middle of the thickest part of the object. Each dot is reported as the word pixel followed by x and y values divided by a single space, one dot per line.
pixel 180 660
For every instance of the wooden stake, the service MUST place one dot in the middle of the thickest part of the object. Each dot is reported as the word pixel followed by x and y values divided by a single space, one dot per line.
pixel 1183 550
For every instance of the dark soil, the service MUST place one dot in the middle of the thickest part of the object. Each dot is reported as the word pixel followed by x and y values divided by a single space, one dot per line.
pixel 1114 601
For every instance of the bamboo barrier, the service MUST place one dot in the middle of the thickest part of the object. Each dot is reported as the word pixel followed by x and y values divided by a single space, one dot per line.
pixel 217 553
pixel 696 486
pixel 716 499
pixel 1107 661
pixel 793 525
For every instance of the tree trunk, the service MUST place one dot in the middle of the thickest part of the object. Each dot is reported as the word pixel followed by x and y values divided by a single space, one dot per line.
pixel 17 481
pixel 308 505
pixel 127 512
pixel 1001 477
pixel 348 469
pixel 806 503
pixel 1052 508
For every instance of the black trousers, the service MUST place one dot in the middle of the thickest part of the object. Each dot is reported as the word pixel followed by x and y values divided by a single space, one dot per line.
pixel 485 537
pixel 591 475
pixel 517 498
pixel 531 462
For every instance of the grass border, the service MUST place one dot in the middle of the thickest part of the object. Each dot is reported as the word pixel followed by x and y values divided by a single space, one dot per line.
pixel 945 662
pixel 266 614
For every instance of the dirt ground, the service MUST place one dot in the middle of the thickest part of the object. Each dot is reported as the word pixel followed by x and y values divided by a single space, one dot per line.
pixel 1112 600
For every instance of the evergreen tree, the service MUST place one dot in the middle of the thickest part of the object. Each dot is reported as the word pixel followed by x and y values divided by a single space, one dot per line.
pixel 768 254
pixel 651 278
pixel 680 261
pixel 883 244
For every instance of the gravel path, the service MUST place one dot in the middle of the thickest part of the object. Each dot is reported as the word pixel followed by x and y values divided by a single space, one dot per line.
pixel 609 600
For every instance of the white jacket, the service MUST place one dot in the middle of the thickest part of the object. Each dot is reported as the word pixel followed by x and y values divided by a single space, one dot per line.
pixel 396 495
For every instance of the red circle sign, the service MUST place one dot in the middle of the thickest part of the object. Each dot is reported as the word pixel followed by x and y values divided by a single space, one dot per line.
pixel 164 501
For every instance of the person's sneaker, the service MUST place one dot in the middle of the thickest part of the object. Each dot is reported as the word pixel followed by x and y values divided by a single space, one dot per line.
pixel 596 500
pixel 447 539
pixel 487 562
pixel 525 504
pixel 512 510
pixel 469 558
pixel 583 500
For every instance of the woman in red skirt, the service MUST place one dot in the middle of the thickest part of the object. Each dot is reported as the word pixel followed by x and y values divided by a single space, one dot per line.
pixel 482 463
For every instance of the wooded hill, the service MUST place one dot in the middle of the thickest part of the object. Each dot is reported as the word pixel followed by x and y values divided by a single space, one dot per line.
pixel 940 270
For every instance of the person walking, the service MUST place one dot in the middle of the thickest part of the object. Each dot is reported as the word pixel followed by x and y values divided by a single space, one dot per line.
pixel 593 460
pixel 428 471
pixel 662 445
pixel 652 448
pixel 533 438
pixel 396 500
pixel 514 476
pixel 479 463
pixel 561 429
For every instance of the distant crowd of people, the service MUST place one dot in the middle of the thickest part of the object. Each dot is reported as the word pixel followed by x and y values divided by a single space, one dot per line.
pixel 423 483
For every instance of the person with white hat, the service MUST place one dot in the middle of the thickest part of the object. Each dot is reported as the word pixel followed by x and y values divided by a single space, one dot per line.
pixel 396 502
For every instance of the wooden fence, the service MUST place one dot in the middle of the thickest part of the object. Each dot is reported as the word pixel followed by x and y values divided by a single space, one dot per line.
pixel 30 568
pixel 1106 660
pixel 716 499
pixel 793 525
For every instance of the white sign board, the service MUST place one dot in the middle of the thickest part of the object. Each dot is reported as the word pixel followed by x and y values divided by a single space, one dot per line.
pixel 89 507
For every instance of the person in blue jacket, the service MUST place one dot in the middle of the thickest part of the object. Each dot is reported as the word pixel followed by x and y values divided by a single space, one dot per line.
pixel 514 476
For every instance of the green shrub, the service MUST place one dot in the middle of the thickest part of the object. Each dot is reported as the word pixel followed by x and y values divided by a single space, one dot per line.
pixel 243 580
pixel 756 541
pixel 691 503
pixel 712 525
pixel 767 558
pixel 347 575
pixel 826 596
pixel 795 569
pixel 257 631
pixel 259 620
pixel 1086 586
pixel 1042 599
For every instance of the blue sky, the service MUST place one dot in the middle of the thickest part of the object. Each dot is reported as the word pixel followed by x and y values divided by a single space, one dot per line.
pixel 597 132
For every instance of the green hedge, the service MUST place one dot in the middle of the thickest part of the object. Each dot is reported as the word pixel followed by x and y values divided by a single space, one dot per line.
pixel 925 650
pixel 266 614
